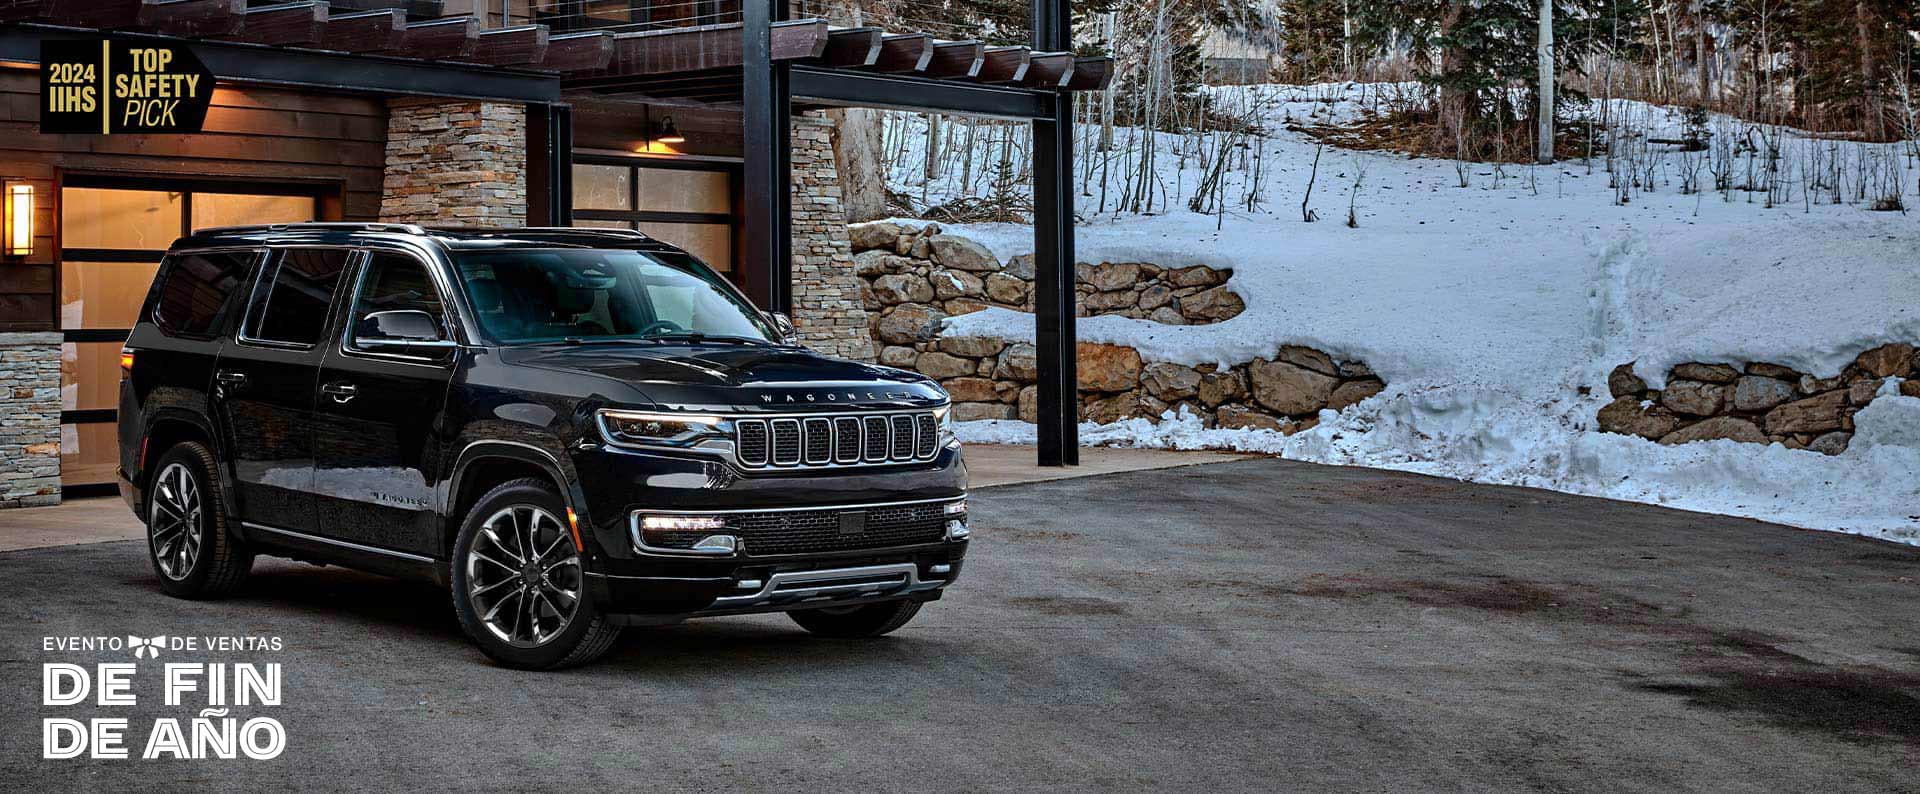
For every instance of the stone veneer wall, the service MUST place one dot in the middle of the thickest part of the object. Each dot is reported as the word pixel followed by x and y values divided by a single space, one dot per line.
pixel 827 310
pixel 1759 403
pixel 455 162
pixel 29 419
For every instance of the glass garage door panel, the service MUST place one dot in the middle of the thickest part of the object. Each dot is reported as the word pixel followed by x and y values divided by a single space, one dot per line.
pixel 213 210
pixel 89 376
pixel 602 187
pixel 89 453
pixel 111 242
pixel 676 190
pixel 103 294
pixel 711 243
pixel 127 220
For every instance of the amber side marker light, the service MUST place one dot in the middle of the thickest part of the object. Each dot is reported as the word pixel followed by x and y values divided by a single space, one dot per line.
pixel 126 363
pixel 573 522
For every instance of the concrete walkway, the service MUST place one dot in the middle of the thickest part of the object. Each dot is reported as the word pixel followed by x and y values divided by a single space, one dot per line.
pixel 1260 625
pixel 103 519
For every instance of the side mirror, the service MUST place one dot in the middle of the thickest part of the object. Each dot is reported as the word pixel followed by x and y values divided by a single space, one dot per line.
pixel 403 328
pixel 784 325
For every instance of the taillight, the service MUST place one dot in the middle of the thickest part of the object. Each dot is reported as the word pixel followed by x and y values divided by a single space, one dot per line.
pixel 126 363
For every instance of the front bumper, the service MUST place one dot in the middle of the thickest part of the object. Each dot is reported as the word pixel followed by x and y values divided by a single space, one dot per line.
pixel 639 585
pixel 643 600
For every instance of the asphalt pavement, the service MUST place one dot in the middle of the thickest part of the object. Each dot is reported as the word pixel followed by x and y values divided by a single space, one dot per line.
pixel 1256 625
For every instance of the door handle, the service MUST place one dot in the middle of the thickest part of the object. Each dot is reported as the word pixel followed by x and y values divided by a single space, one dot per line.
pixel 341 391
pixel 230 379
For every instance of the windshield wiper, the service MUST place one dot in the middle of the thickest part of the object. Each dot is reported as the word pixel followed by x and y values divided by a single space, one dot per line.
pixel 696 336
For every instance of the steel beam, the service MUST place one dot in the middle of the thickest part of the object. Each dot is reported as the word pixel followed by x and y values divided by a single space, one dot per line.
pixel 1053 258
pixel 766 120
pixel 867 89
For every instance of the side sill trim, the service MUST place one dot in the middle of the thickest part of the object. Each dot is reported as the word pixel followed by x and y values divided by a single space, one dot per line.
pixel 340 543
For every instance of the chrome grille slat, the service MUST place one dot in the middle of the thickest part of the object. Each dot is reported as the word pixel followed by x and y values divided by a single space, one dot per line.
pixel 786 442
pixel 829 440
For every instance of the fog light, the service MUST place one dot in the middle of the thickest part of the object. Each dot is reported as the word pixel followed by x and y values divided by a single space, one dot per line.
pixel 717 544
pixel 748 584
pixel 957 530
pixel 682 523
pixel 942 568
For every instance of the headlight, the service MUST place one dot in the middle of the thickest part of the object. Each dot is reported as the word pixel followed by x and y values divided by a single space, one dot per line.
pixel 643 429
pixel 945 416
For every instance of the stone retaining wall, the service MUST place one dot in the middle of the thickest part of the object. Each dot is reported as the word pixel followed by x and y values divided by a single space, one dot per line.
pixel 1758 402
pixel 932 275
pixel 991 378
pixel 29 419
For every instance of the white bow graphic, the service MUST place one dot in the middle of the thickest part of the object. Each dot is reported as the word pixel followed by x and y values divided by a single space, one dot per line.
pixel 144 648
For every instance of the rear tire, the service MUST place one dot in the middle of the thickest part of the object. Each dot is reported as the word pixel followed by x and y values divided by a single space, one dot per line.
pixel 860 622
pixel 188 541
pixel 518 583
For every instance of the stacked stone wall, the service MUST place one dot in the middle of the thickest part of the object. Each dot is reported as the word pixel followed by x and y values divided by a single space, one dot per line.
pixel 455 162
pixel 29 419
pixel 1756 402
pixel 827 309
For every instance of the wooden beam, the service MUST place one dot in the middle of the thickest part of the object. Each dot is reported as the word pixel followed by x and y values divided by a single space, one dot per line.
pixel 525 45
pixel 904 52
pixel 956 59
pixel 1050 70
pixel 578 52
pixel 366 31
pixel 300 24
pixel 852 47
pixel 79 14
pixel 435 39
pixel 193 18
pixel 706 47
pixel 1005 65
pixel 1090 74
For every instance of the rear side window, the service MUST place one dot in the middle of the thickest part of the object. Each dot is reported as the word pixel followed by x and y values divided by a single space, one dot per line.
pixel 198 291
pixel 291 303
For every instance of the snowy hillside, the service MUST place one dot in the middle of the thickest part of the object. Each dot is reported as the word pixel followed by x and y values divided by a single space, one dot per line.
pixel 1489 309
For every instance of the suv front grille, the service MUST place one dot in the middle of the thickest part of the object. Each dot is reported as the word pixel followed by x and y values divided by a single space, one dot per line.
pixel 778 532
pixel 836 440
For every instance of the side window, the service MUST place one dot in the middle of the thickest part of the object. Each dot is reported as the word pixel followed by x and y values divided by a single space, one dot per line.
pixel 394 283
pixel 197 291
pixel 291 306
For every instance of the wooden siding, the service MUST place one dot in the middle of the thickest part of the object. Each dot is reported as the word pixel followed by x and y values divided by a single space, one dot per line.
pixel 335 142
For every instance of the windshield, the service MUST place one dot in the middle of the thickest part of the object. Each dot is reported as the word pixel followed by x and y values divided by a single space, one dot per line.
pixel 550 295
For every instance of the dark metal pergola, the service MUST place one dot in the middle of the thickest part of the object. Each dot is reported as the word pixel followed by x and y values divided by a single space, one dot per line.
pixel 769 89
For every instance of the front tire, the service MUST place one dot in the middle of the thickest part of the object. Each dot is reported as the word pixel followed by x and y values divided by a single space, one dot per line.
pixel 187 538
pixel 519 587
pixel 860 622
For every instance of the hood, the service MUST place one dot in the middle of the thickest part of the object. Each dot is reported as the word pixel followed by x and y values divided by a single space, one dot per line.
pixel 740 378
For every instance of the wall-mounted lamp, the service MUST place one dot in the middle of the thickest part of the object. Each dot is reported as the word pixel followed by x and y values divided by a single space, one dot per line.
pixel 667 133
pixel 19 219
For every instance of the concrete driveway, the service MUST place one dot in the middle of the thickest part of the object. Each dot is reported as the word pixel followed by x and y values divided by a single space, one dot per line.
pixel 1257 625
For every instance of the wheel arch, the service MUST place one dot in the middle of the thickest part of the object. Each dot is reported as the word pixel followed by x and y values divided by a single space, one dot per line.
pixel 167 430
pixel 484 464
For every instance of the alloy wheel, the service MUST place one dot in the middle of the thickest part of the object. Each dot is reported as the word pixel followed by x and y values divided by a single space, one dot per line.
pixel 176 522
pixel 524 576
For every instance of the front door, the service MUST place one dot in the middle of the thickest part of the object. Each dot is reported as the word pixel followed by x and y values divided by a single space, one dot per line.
pixel 377 419
pixel 265 382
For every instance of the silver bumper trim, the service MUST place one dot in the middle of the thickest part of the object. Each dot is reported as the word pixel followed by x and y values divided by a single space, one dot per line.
pixel 870 580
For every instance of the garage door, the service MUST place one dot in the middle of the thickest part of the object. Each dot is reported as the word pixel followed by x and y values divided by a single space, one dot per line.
pixel 112 235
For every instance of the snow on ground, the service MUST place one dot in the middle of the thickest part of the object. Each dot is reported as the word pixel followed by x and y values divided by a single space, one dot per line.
pixel 1488 308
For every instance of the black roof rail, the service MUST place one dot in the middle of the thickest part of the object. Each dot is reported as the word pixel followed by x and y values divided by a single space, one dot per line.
pixel 346 226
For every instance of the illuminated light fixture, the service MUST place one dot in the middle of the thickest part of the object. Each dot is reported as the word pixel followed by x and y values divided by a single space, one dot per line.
pixel 19 219
pixel 669 133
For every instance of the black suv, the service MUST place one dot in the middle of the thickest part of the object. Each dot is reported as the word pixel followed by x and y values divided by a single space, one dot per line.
pixel 575 430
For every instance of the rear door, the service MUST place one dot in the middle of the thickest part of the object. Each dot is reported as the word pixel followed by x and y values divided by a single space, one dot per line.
pixel 265 381
pixel 378 432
